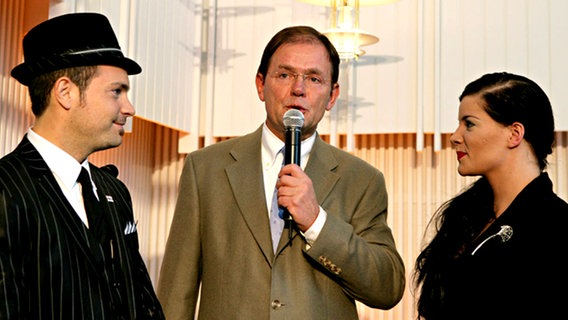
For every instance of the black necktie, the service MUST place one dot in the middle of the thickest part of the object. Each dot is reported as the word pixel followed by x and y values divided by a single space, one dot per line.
pixel 99 226
pixel 95 215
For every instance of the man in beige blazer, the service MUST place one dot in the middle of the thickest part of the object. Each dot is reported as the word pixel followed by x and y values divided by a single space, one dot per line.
pixel 340 248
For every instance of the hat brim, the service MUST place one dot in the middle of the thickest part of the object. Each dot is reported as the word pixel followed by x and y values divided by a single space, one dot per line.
pixel 26 71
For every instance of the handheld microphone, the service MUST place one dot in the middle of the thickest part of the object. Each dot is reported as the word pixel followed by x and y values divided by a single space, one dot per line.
pixel 505 233
pixel 293 122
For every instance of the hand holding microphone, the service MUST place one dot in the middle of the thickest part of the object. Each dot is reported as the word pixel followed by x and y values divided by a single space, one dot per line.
pixel 293 123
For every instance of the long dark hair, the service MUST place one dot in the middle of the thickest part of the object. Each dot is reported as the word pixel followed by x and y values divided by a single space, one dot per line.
pixel 508 98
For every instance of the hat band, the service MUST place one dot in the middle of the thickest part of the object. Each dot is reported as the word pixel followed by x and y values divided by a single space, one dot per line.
pixel 92 51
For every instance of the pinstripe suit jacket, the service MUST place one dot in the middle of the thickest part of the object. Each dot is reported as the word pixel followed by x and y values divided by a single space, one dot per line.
pixel 51 266
pixel 220 238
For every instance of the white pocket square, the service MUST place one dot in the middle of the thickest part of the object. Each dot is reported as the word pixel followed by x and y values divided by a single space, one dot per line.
pixel 130 228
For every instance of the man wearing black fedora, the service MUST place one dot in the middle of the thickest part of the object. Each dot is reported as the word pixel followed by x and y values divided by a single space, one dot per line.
pixel 68 240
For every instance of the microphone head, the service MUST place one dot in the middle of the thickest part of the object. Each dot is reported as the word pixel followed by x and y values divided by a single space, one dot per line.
pixel 293 119
pixel 505 233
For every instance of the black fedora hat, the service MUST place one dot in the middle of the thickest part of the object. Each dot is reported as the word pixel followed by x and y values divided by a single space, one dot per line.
pixel 47 48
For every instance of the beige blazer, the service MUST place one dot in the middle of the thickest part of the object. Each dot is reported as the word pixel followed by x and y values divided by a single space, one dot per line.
pixel 220 239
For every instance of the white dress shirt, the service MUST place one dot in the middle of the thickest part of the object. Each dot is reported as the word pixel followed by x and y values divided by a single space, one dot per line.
pixel 65 169
pixel 272 161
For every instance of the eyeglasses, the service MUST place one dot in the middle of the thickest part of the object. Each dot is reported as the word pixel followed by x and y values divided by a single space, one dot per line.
pixel 312 80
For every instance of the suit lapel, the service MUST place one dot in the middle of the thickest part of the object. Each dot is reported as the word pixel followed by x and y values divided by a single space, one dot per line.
pixel 111 202
pixel 106 199
pixel 319 168
pixel 109 198
pixel 66 217
pixel 249 189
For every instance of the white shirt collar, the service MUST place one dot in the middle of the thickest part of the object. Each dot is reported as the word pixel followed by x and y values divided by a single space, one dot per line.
pixel 271 145
pixel 63 165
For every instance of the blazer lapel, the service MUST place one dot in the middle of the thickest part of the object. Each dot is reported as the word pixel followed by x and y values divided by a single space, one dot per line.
pixel 249 189
pixel 320 169
pixel 65 214
pixel 117 220
pixel 109 200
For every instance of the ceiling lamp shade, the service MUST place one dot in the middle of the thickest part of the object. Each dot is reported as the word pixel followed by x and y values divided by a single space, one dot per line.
pixel 348 43
pixel 344 30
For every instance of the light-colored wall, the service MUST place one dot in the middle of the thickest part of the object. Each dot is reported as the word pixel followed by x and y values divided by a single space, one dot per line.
pixel 200 59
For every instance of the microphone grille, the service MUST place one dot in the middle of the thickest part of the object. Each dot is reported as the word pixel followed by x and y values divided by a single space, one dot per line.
pixel 506 233
pixel 293 119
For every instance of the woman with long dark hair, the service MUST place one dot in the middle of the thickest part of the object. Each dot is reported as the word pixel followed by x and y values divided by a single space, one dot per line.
pixel 498 246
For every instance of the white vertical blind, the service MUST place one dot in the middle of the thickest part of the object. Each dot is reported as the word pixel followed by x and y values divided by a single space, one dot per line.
pixel 199 58
pixel 461 40
pixel 164 38
pixel 167 45
pixel 523 36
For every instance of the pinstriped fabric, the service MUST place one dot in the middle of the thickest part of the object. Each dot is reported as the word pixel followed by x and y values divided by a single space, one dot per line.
pixel 51 267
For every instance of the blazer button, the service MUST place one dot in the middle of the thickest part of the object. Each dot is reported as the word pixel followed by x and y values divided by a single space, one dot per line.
pixel 276 304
